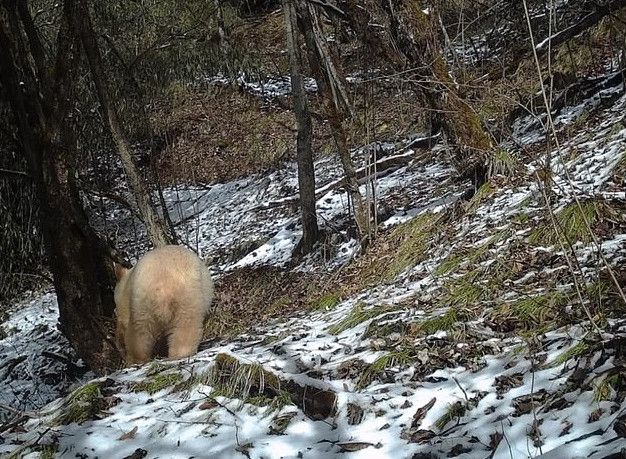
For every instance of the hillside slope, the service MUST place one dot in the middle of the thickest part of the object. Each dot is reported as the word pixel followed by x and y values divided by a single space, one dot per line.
pixel 469 329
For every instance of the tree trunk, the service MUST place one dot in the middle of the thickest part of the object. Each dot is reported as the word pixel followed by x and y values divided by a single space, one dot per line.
pixel 154 224
pixel 416 34
pixel 332 88
pixel 306 172
pixel 413 41
pixel 75 254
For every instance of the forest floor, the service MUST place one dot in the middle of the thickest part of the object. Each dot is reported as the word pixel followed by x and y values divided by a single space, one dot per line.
pixel 484 328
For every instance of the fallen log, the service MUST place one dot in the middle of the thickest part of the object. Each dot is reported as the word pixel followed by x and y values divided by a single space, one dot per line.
pixel 242 380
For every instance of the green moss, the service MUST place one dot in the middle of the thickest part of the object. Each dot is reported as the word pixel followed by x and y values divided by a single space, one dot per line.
pixel 401 358
pixel 358 315
pixel 157 382
pixel 82 405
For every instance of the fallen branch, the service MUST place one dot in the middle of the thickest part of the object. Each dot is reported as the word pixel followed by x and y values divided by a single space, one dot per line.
pixel 585 23
pixel 242 380
pixel 383 168
pixel 563 36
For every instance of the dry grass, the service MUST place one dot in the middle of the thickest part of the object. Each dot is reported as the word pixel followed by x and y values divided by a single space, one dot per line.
pixel 220 136
pixel 249 297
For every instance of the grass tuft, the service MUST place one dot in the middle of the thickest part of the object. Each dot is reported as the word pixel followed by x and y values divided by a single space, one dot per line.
pixel 249 382
pixel 577 350
pixel 82 405
pixel 400 358
pixel 444 322
pixel 409 240
pixel 157 383
pixel 327 302
pixel 193 381
pixel 485 190
pixel 358 315
pixel 571 223
pixel 455 410
pixel 534 311
pixel 448 265
pixel 502 162
pixel 464 291
pixel 606 389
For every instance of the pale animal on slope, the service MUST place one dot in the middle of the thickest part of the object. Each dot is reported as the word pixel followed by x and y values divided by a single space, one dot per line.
pixel 167 294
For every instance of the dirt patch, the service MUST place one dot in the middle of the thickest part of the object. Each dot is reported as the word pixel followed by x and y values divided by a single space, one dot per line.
pixel 250 296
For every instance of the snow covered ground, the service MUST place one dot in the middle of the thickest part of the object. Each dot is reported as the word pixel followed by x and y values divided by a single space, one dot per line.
pixel 469 390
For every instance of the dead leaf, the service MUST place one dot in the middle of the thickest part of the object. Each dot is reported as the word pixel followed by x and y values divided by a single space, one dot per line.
pixel 350 447
pixel 421 413
pixel 129 435
pixel 620 426
pixel 137 454
pixel 208 404
pixel 355 414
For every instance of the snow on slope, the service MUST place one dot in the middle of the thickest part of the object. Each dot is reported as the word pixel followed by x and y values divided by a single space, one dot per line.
pixel 36 362
pixel 495 395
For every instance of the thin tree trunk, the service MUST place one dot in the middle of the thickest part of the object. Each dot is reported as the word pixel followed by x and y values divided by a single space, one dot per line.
pixel 331 85
pixel 221 25
pixel 306 172
pixel 154 224
pixel 75 253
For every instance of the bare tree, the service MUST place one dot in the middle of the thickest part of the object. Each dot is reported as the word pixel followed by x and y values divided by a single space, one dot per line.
pixel 40 94
pixel 331 84
pixel 155 225
pixel 306 172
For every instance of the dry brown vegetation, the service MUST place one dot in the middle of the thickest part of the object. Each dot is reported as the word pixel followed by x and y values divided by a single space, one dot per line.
pixel 220 135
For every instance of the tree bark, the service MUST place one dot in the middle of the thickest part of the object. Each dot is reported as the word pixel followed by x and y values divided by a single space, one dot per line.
pixel 413 41
pixel 43 118
pixel 335 100
pixel 415 33
pixel 306 171
pixel 155 225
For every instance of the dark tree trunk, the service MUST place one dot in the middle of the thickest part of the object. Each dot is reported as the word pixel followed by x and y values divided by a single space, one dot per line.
pixel 335 103
pixel 155 226
pixel 42 115
pixel 306 172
